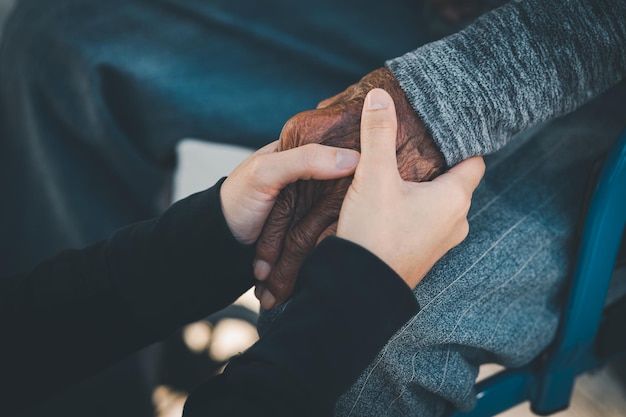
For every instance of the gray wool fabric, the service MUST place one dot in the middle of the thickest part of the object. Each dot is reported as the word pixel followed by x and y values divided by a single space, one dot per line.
pixel 515 67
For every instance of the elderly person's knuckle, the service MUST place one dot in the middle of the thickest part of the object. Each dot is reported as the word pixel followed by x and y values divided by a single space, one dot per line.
pixel 291 135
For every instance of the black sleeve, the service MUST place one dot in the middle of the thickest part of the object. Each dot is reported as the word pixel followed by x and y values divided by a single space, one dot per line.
pixel 77 313
pixel 349 305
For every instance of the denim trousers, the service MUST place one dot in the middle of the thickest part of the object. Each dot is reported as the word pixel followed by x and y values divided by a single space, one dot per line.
pixel 95 96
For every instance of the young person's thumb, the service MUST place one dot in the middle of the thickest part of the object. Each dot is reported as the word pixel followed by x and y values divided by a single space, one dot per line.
pixel 378 136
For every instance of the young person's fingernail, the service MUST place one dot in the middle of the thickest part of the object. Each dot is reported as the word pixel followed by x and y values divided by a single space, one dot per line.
pixel 346 158
pixel 261 269
pixel 376 99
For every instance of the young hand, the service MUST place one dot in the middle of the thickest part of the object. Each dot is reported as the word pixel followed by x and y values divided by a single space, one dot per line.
pixel 249 192
pixel 408 225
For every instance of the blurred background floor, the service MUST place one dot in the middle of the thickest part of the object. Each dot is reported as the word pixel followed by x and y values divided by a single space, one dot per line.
pixel 599 394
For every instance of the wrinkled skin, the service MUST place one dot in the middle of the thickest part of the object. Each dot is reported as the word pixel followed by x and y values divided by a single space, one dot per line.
pixel 307 211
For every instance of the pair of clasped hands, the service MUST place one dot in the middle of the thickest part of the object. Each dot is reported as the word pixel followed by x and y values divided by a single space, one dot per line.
pixel 409 225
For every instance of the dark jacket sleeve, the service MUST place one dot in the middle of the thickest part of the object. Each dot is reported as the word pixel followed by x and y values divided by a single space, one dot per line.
pixel 349 305
pixel 77 313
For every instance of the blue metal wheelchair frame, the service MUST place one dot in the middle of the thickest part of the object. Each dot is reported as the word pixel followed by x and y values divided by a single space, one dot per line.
pixel 548 382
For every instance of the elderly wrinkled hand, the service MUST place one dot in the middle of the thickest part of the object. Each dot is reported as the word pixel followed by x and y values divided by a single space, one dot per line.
pixel 307 211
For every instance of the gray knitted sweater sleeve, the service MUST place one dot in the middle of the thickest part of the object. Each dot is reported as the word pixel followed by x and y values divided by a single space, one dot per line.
pixel 515 67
